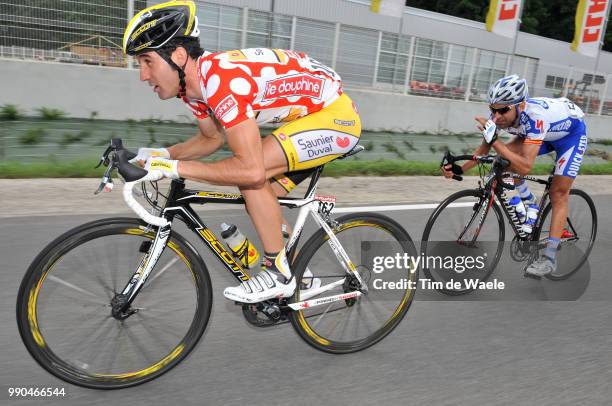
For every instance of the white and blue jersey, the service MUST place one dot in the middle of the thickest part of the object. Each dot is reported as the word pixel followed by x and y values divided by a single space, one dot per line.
pixel 556 125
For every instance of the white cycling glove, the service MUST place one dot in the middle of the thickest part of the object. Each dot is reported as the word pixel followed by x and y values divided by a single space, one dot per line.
pixel 490 132
pixel 146 153
pixel 162 168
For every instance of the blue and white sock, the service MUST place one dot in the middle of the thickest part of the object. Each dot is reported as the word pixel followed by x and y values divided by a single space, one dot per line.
pixel 525 193
pixel 551 248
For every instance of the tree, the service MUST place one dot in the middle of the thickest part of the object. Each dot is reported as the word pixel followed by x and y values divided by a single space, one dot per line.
pixel 550 19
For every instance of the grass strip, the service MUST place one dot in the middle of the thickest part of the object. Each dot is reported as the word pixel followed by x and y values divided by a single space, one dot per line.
pixel 85 169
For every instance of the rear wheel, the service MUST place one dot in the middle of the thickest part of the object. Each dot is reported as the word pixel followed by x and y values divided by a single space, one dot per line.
pixel 64 306
pixel 354 323
pixel 578 235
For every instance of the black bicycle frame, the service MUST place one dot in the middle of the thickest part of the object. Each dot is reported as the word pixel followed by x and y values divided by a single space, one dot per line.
pixel 179 203
pixel 494 188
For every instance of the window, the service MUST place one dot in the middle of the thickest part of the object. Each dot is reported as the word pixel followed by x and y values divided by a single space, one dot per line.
pixel 393 58
pixel 554 82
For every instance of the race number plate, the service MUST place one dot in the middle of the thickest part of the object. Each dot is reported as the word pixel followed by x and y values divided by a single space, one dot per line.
pixel 326 204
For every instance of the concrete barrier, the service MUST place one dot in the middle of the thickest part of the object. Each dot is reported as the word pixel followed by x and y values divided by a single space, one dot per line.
pixel 118 94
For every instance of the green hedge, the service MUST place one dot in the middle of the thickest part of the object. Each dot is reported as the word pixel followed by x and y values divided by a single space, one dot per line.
pixel 85 169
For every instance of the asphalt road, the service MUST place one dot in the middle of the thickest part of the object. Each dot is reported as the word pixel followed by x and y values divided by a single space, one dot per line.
pixel 463 352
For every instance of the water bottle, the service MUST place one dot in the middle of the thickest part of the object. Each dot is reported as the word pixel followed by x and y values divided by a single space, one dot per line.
pixel 239 245
pixel 532 216
pixel 519 208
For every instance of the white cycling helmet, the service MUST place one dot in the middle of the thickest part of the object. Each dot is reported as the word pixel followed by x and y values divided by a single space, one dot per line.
pixel 508 90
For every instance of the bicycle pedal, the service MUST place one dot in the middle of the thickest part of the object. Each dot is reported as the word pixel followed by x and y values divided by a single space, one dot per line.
pixel 258 318
pixel 528 275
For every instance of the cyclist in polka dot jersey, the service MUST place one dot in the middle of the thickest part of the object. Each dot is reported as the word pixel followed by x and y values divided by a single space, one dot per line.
pixel 230 94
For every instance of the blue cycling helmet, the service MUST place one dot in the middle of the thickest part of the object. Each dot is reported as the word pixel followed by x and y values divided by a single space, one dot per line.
pixel 508 90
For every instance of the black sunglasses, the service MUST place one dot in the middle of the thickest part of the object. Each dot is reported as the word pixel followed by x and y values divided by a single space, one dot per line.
pixel 502 110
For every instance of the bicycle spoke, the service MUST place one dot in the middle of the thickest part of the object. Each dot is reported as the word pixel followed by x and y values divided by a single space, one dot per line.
pixel 154 333
pixel 345 323
pixel 115 350
pixel 112 336
pixel 110 292
pixel 78 289
pixel 168 329
pixel 374 307
pixel 92 337
pixel 322 314
pixel 333 323
pixel 84 260
pixel 311 316
pixel 160 272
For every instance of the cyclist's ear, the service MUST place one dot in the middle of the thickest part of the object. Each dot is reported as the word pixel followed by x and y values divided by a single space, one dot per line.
pixel 179 56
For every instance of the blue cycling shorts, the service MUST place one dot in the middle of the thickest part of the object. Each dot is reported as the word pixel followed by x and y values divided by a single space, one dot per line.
pixel 570 152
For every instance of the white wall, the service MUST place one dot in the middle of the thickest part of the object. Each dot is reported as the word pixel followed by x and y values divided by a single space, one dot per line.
pixel 79 90
pixel 117 94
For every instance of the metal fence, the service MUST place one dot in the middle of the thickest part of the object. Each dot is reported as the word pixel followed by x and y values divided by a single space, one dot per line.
pixel 91 31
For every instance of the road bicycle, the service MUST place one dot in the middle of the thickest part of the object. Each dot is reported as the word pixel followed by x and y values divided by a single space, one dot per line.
pixel 120 301
pixel 463 222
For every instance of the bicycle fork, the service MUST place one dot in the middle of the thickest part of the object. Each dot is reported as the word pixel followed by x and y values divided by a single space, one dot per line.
pixel 121 302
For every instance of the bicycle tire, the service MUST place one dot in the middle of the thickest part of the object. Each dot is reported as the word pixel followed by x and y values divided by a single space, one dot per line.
pixel 52 270
pixel 426 238
pixel 591 234
pixel 353 226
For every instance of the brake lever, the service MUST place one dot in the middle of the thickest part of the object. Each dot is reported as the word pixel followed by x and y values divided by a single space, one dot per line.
pixel 447 159
pixel 106 185
pixel 104 158
pixel 107 181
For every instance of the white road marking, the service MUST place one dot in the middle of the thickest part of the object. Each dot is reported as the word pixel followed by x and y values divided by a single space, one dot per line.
pixel 400 207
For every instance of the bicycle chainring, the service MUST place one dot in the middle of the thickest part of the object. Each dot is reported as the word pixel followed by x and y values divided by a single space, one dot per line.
pixel 520 250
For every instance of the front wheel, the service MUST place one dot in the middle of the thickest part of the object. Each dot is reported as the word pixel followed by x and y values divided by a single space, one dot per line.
pixel 578 234
pixel 462 226
pixel 353 324
pixel 64 305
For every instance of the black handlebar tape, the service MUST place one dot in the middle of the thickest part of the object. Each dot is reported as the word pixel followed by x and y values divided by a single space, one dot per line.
pixel 457 170
pixel 130 154
pixel 129 172
pixel 464 158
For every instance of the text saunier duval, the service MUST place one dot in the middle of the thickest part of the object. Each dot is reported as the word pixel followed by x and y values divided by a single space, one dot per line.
pixel 457 264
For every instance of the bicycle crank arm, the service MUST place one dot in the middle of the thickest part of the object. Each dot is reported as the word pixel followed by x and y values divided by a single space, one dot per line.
pixel 307 304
